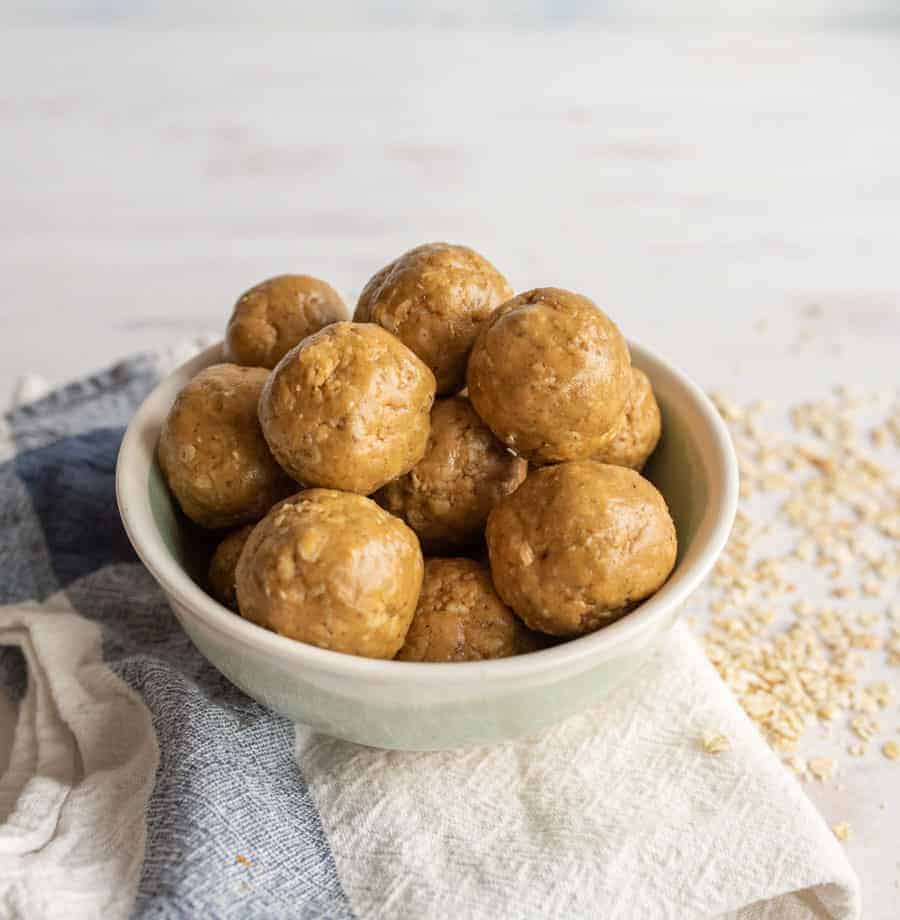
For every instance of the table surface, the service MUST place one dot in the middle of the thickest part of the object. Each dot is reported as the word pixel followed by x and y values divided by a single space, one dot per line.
pixel 731 199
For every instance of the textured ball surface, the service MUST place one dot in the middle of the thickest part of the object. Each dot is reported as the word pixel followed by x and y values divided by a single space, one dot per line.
pixel 434 298
pixel 577 544
pixel 550 375
pixel 348 408
pixel 332 569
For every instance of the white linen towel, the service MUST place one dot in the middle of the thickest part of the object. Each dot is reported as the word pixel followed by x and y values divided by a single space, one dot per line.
pixel 616 813
pixel 80 770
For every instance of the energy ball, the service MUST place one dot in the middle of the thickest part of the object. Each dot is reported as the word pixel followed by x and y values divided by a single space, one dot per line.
pixel 271 318
pixel 549 373
pixel 637 432
pixel 212 452
pixel 332 569
pixel 447 495
pixel 434 298
pixel 459 616
pixel 348 408
pixel 577 544
pixel 223 564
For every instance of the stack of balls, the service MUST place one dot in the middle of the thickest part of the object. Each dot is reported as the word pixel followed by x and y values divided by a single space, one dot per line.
pixel 448 417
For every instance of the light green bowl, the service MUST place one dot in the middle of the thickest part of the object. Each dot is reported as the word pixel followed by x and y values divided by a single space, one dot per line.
pixel 413 706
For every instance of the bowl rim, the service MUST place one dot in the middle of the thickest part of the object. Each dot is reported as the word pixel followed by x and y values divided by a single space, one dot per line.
pixel 134 464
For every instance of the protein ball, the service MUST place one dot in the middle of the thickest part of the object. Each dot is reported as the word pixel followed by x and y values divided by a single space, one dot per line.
pixel 332 569
pixel 638 431
pixel 447 495
pixel 212 452
pixel 459 616
pixel 223 564
pixel 434 298
pixel 271 318
pixel 348 408
pixel 549 373
pixel 577 544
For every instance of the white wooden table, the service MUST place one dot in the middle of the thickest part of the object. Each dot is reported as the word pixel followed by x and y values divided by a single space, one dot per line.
pixel 706 191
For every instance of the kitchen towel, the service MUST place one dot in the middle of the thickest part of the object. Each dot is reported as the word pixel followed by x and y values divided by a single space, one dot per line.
pixel 139 782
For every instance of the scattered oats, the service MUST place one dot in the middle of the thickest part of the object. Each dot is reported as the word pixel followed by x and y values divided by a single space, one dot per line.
pixel 842 831
pixel 857 749
pixel 822 768
pixel 867 640
pixel 727 409
pixel 893 650
pixel 797 765
pixel 865 727
pixel 715 743
pixel 792 664
pixel 891 750
pixel 881 692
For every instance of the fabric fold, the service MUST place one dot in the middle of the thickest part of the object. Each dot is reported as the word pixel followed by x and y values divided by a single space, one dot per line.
pixel 82 765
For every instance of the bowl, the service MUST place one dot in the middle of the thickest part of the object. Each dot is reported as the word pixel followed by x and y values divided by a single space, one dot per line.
pixel 425 706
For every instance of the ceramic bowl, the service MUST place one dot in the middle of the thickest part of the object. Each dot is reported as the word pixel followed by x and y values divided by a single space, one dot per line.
pixel 417 706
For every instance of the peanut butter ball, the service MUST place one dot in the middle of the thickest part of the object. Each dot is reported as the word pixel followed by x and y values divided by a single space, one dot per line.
pixel 549 374
pixel 460 618
pixel 271 318
pixel 212 452
pixel 348 408
pixel 637 432
pixel 332 569
pixel 434 298
pixel 223 564
pixel 577 544
pixel 447 495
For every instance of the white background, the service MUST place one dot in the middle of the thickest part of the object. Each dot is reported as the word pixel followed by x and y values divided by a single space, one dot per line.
pixel 707 181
